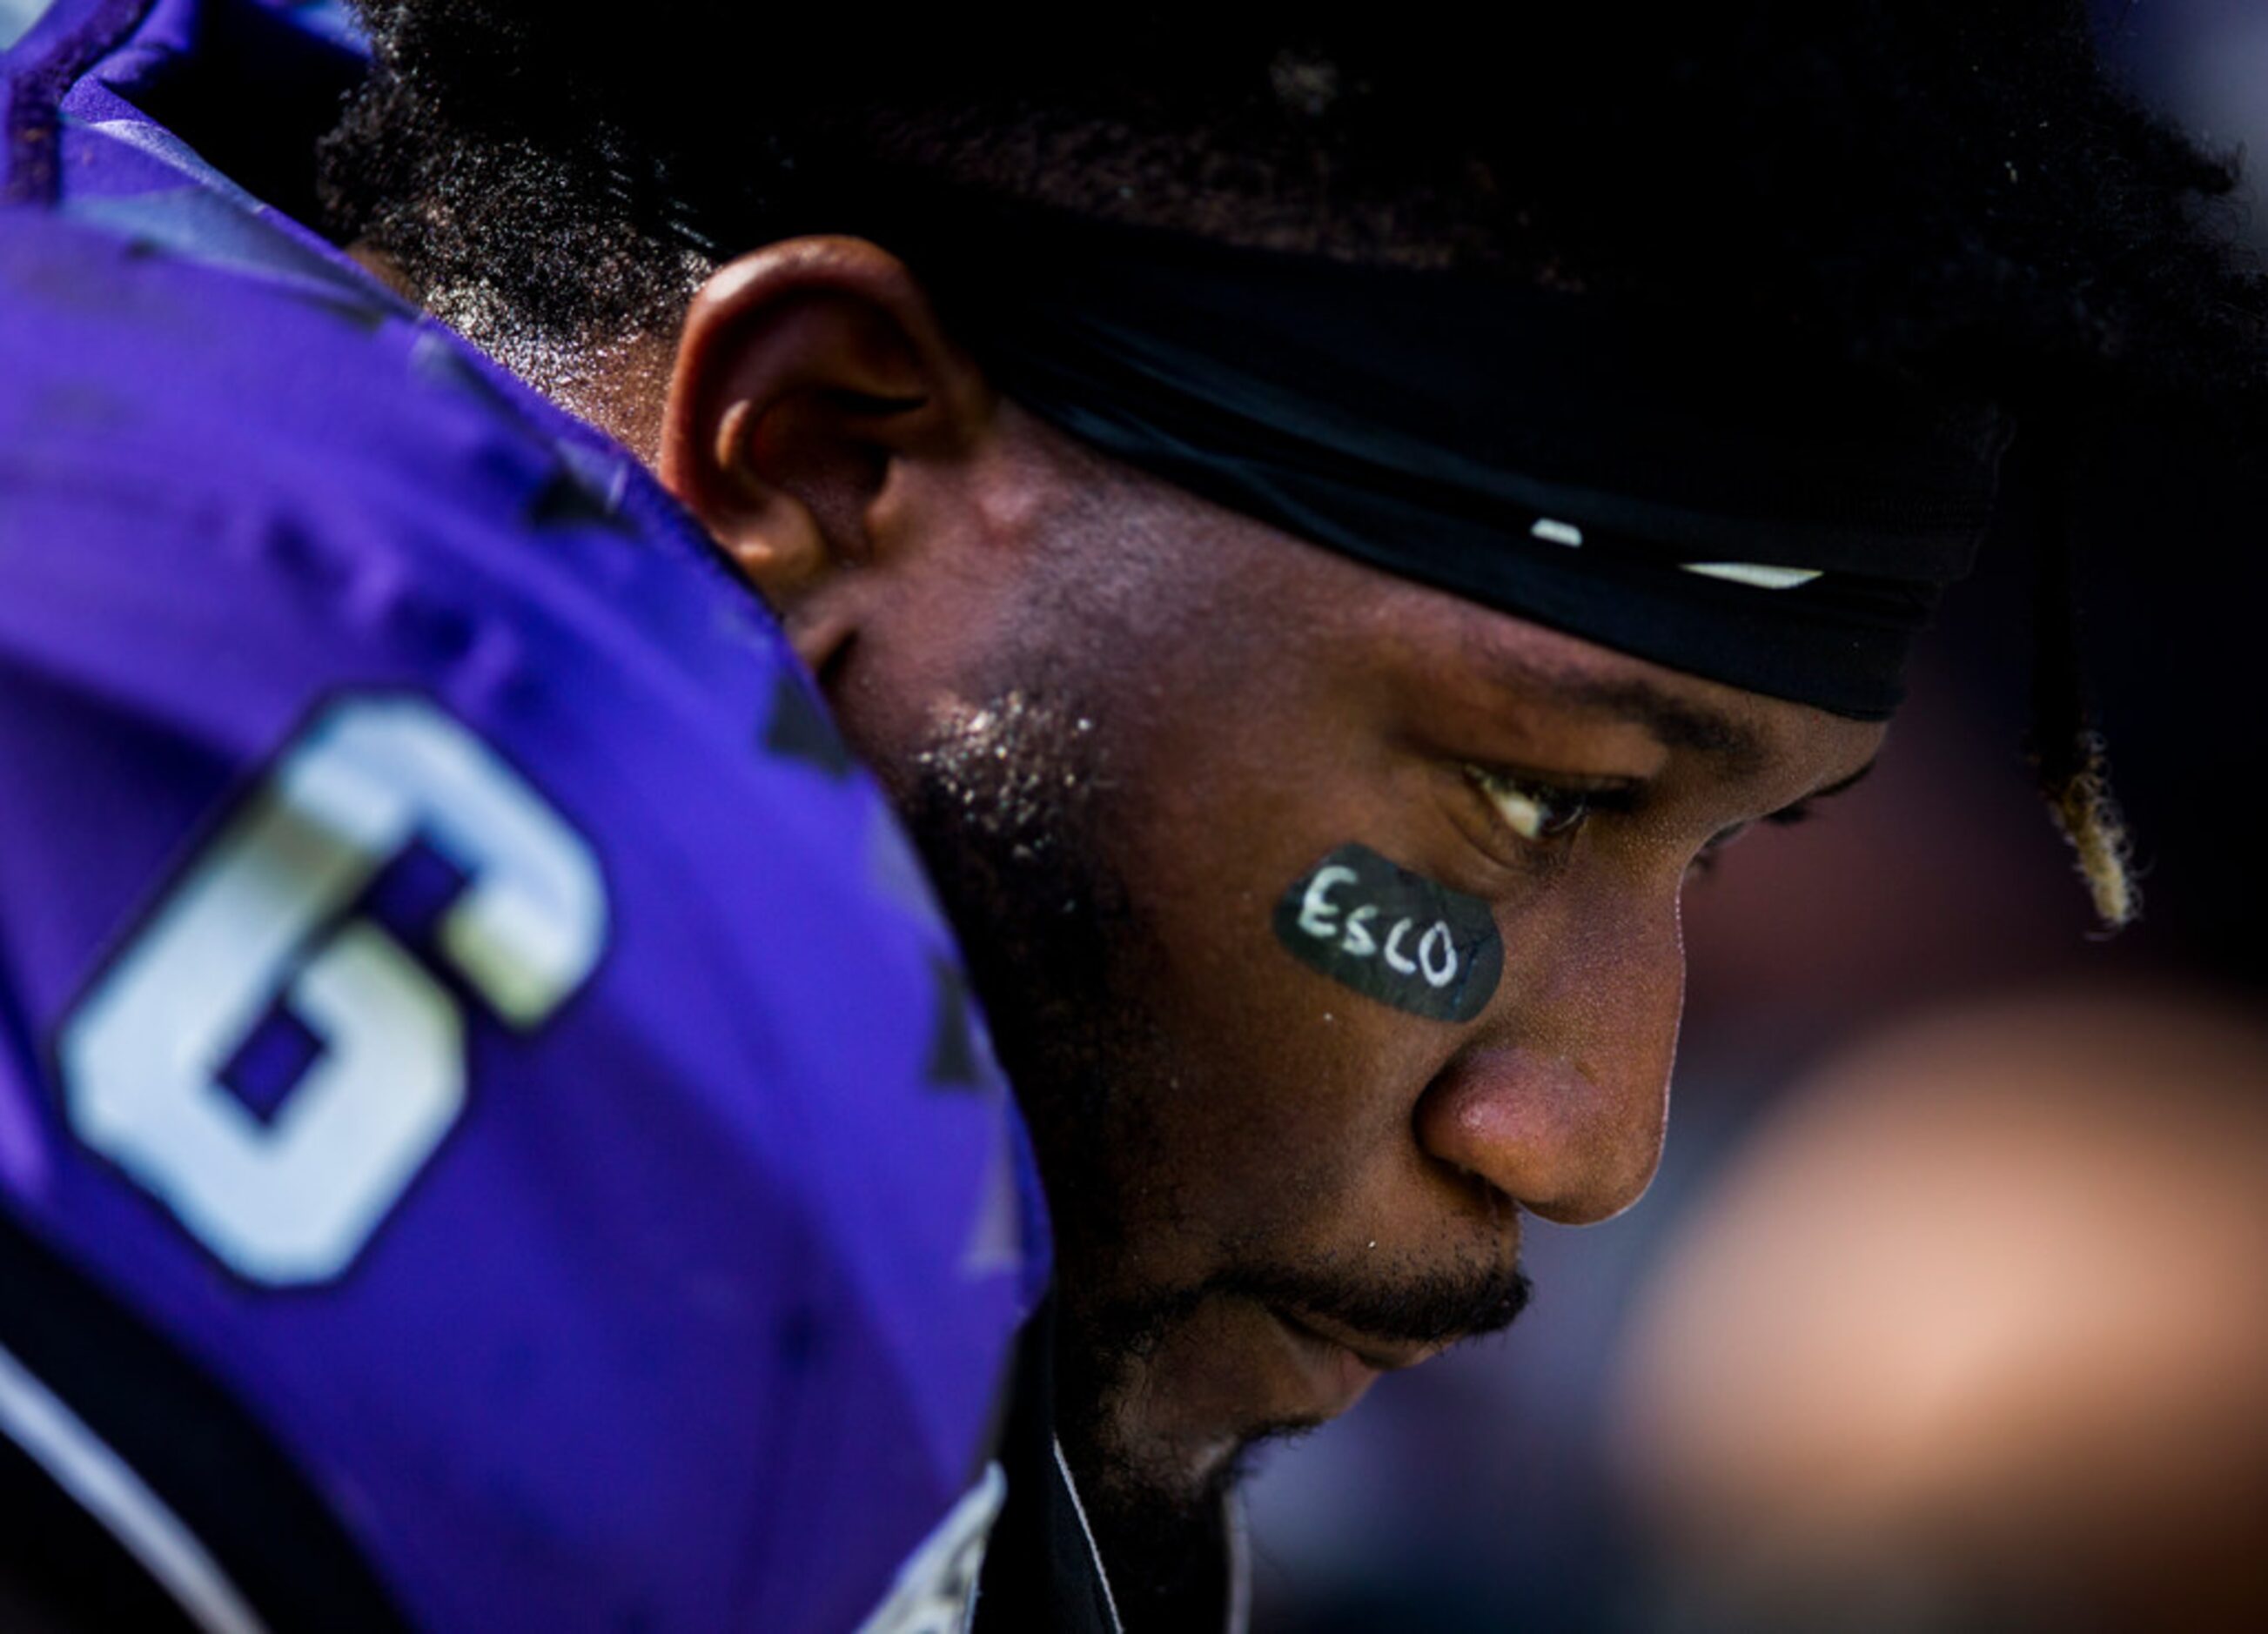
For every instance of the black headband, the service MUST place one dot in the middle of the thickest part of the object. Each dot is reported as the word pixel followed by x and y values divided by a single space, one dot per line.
pixel 1714 507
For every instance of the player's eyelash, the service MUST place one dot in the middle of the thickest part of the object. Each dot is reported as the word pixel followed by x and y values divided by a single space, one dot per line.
pixel 1540 811
pixel 1704 862
pixel 1788 816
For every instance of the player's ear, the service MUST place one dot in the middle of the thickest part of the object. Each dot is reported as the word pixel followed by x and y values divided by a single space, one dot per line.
pixel 807 372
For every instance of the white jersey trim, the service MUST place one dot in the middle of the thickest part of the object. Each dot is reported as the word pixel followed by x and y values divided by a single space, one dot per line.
pixel 100 1481
pixel 935 1592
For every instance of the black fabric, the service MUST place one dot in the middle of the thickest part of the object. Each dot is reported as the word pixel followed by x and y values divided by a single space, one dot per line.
pixel 1040 1573
pixel 61 1571
pixel 1425 422
pixel 190 1442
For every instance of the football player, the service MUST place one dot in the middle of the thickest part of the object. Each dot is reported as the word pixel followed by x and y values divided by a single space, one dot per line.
pixel 1312 559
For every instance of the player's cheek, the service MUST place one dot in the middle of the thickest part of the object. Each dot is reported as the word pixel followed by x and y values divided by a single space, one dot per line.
pixel 1327 1001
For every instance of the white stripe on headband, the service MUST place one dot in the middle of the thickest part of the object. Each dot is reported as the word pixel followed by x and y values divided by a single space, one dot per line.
pixel 1754 573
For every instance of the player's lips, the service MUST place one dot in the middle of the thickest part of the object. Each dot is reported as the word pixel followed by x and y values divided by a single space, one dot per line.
pixel 1340 1362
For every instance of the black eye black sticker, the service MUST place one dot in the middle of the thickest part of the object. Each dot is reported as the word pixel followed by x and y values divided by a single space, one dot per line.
pixel 1393 935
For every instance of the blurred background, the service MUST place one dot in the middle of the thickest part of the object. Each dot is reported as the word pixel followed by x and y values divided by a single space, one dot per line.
pixel 1949 1308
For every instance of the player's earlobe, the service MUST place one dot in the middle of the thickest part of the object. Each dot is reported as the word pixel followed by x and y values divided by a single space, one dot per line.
pixel 805 372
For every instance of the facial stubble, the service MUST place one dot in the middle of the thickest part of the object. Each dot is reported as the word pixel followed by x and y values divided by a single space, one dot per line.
pixel 1013 805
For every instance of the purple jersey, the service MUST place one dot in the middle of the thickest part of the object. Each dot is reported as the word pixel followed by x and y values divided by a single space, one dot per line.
pixel 459 1001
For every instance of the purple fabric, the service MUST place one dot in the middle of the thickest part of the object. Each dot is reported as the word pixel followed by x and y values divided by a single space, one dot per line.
pixel 696 1318
pixel 34 73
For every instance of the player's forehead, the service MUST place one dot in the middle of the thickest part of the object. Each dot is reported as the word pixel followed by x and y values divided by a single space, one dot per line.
pixel 1299 632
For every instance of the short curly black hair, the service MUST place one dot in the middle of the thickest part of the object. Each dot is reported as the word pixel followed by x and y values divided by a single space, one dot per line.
pixel 1935 184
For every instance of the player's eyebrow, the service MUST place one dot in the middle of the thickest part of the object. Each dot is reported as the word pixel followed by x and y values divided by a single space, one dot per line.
pixel 1676 723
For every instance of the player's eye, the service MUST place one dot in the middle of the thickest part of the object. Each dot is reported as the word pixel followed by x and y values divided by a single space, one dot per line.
pixel 1539 812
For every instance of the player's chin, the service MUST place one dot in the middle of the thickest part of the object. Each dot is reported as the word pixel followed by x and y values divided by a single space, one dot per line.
pixel 1233 1370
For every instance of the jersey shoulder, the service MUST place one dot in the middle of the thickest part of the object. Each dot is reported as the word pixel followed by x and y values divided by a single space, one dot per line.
pixel 463 997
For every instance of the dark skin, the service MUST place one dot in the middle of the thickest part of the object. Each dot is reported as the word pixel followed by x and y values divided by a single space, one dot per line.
pixel 1267 1186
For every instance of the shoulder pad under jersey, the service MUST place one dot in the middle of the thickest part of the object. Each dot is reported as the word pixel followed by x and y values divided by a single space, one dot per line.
pixel 458 995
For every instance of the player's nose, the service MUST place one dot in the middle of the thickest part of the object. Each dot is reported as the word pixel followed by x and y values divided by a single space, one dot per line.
pixel 1561 1099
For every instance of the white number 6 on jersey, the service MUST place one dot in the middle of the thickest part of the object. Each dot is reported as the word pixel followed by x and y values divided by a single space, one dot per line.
pixel 261 917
